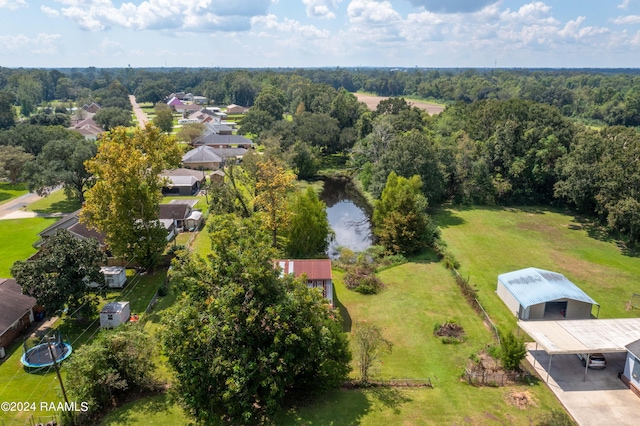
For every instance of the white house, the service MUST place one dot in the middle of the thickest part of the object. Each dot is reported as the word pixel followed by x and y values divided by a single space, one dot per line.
pixel 115 313
pixel 114 276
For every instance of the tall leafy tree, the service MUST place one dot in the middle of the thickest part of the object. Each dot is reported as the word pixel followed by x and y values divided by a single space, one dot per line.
pixel 7 113
pixel 13 160
pixel 309 230
pixel 58 277
pixel 112 117
pixel 272 184
pixel 243 339
pixel 271 100
pixel 124 201
pixel 164 117
pixel 62 162
pixel 400 221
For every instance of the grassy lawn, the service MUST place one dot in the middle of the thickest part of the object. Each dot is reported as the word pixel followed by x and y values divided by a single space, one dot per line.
pixel 18 236
pixel 419 295
pixel 18 385
pixel 491 241
pixel 8 191
pixel 56 202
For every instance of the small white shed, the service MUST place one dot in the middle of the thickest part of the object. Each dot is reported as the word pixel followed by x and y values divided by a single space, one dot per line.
pixel 114 276
pixel 115 313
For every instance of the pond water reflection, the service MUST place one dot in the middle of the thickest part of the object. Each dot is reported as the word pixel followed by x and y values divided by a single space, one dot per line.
pixel 349 215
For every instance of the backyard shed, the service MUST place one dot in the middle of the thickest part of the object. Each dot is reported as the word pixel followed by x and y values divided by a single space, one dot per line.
pixel 536 294
pixel 115 313
pixel 317 272
pixel 114 276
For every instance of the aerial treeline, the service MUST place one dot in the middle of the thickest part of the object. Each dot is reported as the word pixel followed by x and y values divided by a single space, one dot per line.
pixel 609 97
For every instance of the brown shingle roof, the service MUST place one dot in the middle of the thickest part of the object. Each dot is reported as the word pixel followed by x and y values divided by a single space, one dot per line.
pixel 13 304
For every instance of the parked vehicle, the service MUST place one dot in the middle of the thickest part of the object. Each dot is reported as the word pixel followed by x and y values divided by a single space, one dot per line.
pixel 596 360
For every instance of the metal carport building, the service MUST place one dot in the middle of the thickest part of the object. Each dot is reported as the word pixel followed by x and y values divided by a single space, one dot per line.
pixel 582 336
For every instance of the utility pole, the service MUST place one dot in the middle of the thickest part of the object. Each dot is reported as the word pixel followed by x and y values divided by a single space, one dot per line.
pixel 55 363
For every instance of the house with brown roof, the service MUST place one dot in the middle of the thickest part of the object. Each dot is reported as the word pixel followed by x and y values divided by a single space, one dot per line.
pixel 236 109
pixel 182 214
pixel 16 311
pixel 317 273
pixel 71 223
pixel 88 128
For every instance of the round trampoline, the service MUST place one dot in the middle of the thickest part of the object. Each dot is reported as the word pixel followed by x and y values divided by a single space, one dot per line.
pixel 39 356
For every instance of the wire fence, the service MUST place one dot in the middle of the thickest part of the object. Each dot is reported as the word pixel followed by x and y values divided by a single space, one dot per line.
pixel 494 378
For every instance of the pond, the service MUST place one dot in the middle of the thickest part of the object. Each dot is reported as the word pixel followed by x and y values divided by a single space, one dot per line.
pixel 349 215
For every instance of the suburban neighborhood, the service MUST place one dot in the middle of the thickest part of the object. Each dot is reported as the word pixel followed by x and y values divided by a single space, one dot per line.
pixel 200 247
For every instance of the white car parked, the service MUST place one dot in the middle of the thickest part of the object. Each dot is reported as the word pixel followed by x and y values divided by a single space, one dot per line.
pixel 596 360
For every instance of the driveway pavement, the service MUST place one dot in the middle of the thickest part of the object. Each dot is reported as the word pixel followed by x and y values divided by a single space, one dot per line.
pixel 599 398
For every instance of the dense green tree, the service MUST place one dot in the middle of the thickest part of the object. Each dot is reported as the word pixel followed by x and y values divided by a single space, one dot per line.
pixel 255 122
pixel 111 117
pixel 28 94
pixel 346 108
pixel 271 100
pixel 61 162
pixel 411 153
pixel 33 138
pixel 115 364
pixel 13 160
pixel 124 201
pixel 242 339
pixel 164 117
pixel 400 221
pixel 7 113
pixel 304 160
pixel 55 119
pixel 319 129
pixel 309 232
pixel 58 277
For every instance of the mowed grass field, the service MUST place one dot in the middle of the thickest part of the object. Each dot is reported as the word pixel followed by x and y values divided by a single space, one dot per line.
pixel 418 296
pixel 18 236
pixel 491 241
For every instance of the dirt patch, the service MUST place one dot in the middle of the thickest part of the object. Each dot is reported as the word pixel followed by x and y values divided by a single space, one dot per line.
pixel 372 102
pixel 522 400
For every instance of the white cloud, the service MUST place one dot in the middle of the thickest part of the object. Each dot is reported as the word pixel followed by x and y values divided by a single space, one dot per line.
pixel 372 11
pixel 42 44
pixel 171 15
pixel 49 12
pixel 626 20
pixel 320 8
pixel 453 6
pixel 624 5
pixel 12 4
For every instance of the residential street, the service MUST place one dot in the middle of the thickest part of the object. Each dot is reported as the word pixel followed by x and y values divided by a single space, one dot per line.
pixel 140 115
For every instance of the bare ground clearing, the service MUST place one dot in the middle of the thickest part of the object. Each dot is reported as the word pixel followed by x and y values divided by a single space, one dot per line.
pixel 372 102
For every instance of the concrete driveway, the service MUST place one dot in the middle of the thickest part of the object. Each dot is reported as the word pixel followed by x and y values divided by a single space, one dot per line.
pixel 601 399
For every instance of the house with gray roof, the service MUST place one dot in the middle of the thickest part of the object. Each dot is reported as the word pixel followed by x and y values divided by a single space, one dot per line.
pixel 202 157
pixel 182 181
pixel 223 141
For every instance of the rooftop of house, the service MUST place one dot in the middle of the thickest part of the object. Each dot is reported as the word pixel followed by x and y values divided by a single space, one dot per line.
pixel 13 304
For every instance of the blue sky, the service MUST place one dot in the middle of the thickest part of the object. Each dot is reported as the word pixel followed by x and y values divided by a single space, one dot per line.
pixel 312 33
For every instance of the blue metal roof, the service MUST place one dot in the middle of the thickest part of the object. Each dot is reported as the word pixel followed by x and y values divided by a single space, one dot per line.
pixel 532 286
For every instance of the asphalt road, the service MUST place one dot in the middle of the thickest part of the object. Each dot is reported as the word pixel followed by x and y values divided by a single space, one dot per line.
pixel 140 115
